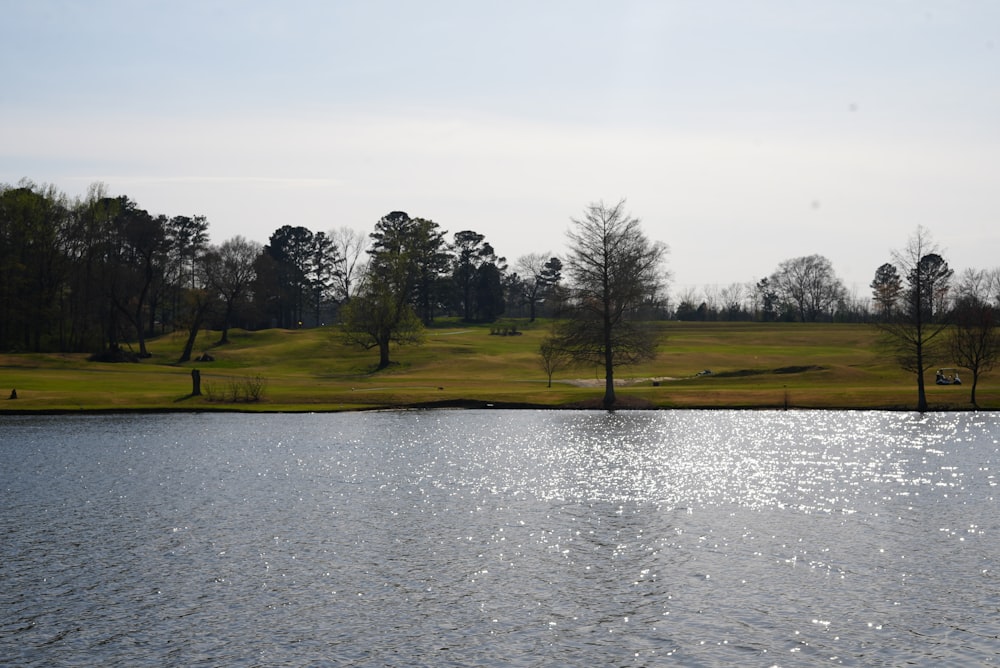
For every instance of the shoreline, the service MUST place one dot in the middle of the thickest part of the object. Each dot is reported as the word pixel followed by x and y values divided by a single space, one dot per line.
pixel 477 404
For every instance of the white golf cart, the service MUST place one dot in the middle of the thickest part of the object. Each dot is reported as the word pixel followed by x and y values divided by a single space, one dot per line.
pixel 948 377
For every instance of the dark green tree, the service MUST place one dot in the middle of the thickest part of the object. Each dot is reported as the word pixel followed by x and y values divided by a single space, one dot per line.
pixel 34 222
pixel 887 287
pixel 477 273
pixel 230 270
pixel 430 259
pixel 131 262
pixel 489 294
pixel 767 300
pixel 324 266
pixel 418 244
pixel 381 313
pixel 291 249
pixel 187 237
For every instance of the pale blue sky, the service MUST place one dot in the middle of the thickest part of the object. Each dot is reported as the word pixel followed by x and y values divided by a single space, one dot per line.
pixel 743 133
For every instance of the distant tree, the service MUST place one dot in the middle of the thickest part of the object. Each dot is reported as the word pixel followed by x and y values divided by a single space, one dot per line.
pixel 134 263
pixel 34 228
pixel 887 286
pixel 993 286
pixel 418 245
pixel 230 270
pixel 477 273
pixel 809 285
pixel 291 248
pixel 854 307
pixel 188 237
pixel 513 294
pixel 688 312
pixel 767 299
pixel 324 264
pixel 381 312
pixel 430 259
pixel 733 298
pixel 913 333
pixel 377 318
pixel 489 293
pixel 614 269
pixel 974 338
pixel 538 276
pixel 351 245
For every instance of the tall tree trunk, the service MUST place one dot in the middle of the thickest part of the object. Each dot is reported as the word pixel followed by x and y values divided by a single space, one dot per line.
pixel 225 323
pixel 383 352
pixel 921 392
pixel 609 367
pixel 192 335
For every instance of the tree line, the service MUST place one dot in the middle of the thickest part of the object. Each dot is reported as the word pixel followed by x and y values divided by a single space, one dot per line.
pixel 99 274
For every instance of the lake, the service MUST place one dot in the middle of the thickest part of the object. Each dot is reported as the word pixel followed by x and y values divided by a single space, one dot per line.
pixel 500 538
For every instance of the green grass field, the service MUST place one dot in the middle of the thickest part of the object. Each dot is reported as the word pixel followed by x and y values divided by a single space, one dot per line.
pixel 754 365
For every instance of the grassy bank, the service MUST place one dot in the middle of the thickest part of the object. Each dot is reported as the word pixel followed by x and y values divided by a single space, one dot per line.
pixel 753 365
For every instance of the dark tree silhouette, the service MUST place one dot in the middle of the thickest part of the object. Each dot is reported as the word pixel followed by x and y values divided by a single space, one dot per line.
pixel 974 338
pixel 886 287
pixel 913 333
pixel 230 270
pixel 614 270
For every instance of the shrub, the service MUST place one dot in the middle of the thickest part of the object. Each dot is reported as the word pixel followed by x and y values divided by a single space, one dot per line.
pixel 247 389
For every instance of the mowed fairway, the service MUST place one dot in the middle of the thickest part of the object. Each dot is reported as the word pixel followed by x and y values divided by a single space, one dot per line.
pixel 752 365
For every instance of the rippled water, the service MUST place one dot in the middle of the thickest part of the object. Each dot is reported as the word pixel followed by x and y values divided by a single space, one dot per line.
pixel 492 538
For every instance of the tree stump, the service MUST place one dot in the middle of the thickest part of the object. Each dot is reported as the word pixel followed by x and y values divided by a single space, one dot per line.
pixel 195 383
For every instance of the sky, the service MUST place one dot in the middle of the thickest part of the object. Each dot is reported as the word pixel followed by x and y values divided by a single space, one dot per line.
pixel 742 133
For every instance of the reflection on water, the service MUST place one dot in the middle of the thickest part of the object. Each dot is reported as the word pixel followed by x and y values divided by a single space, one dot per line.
pixel 500 538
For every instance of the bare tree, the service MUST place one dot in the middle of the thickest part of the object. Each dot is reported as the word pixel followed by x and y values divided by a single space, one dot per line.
pixel 553 357
pixel 733 298
pixel 614 270
pixel 994 285
pixel 913 333
pixel 352 245
pixel 810 285
pixel 974 339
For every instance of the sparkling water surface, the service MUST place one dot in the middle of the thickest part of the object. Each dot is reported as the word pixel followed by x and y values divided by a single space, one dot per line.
pixel 500 538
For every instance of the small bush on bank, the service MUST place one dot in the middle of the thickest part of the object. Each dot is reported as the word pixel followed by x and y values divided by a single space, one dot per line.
pixel 248 389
